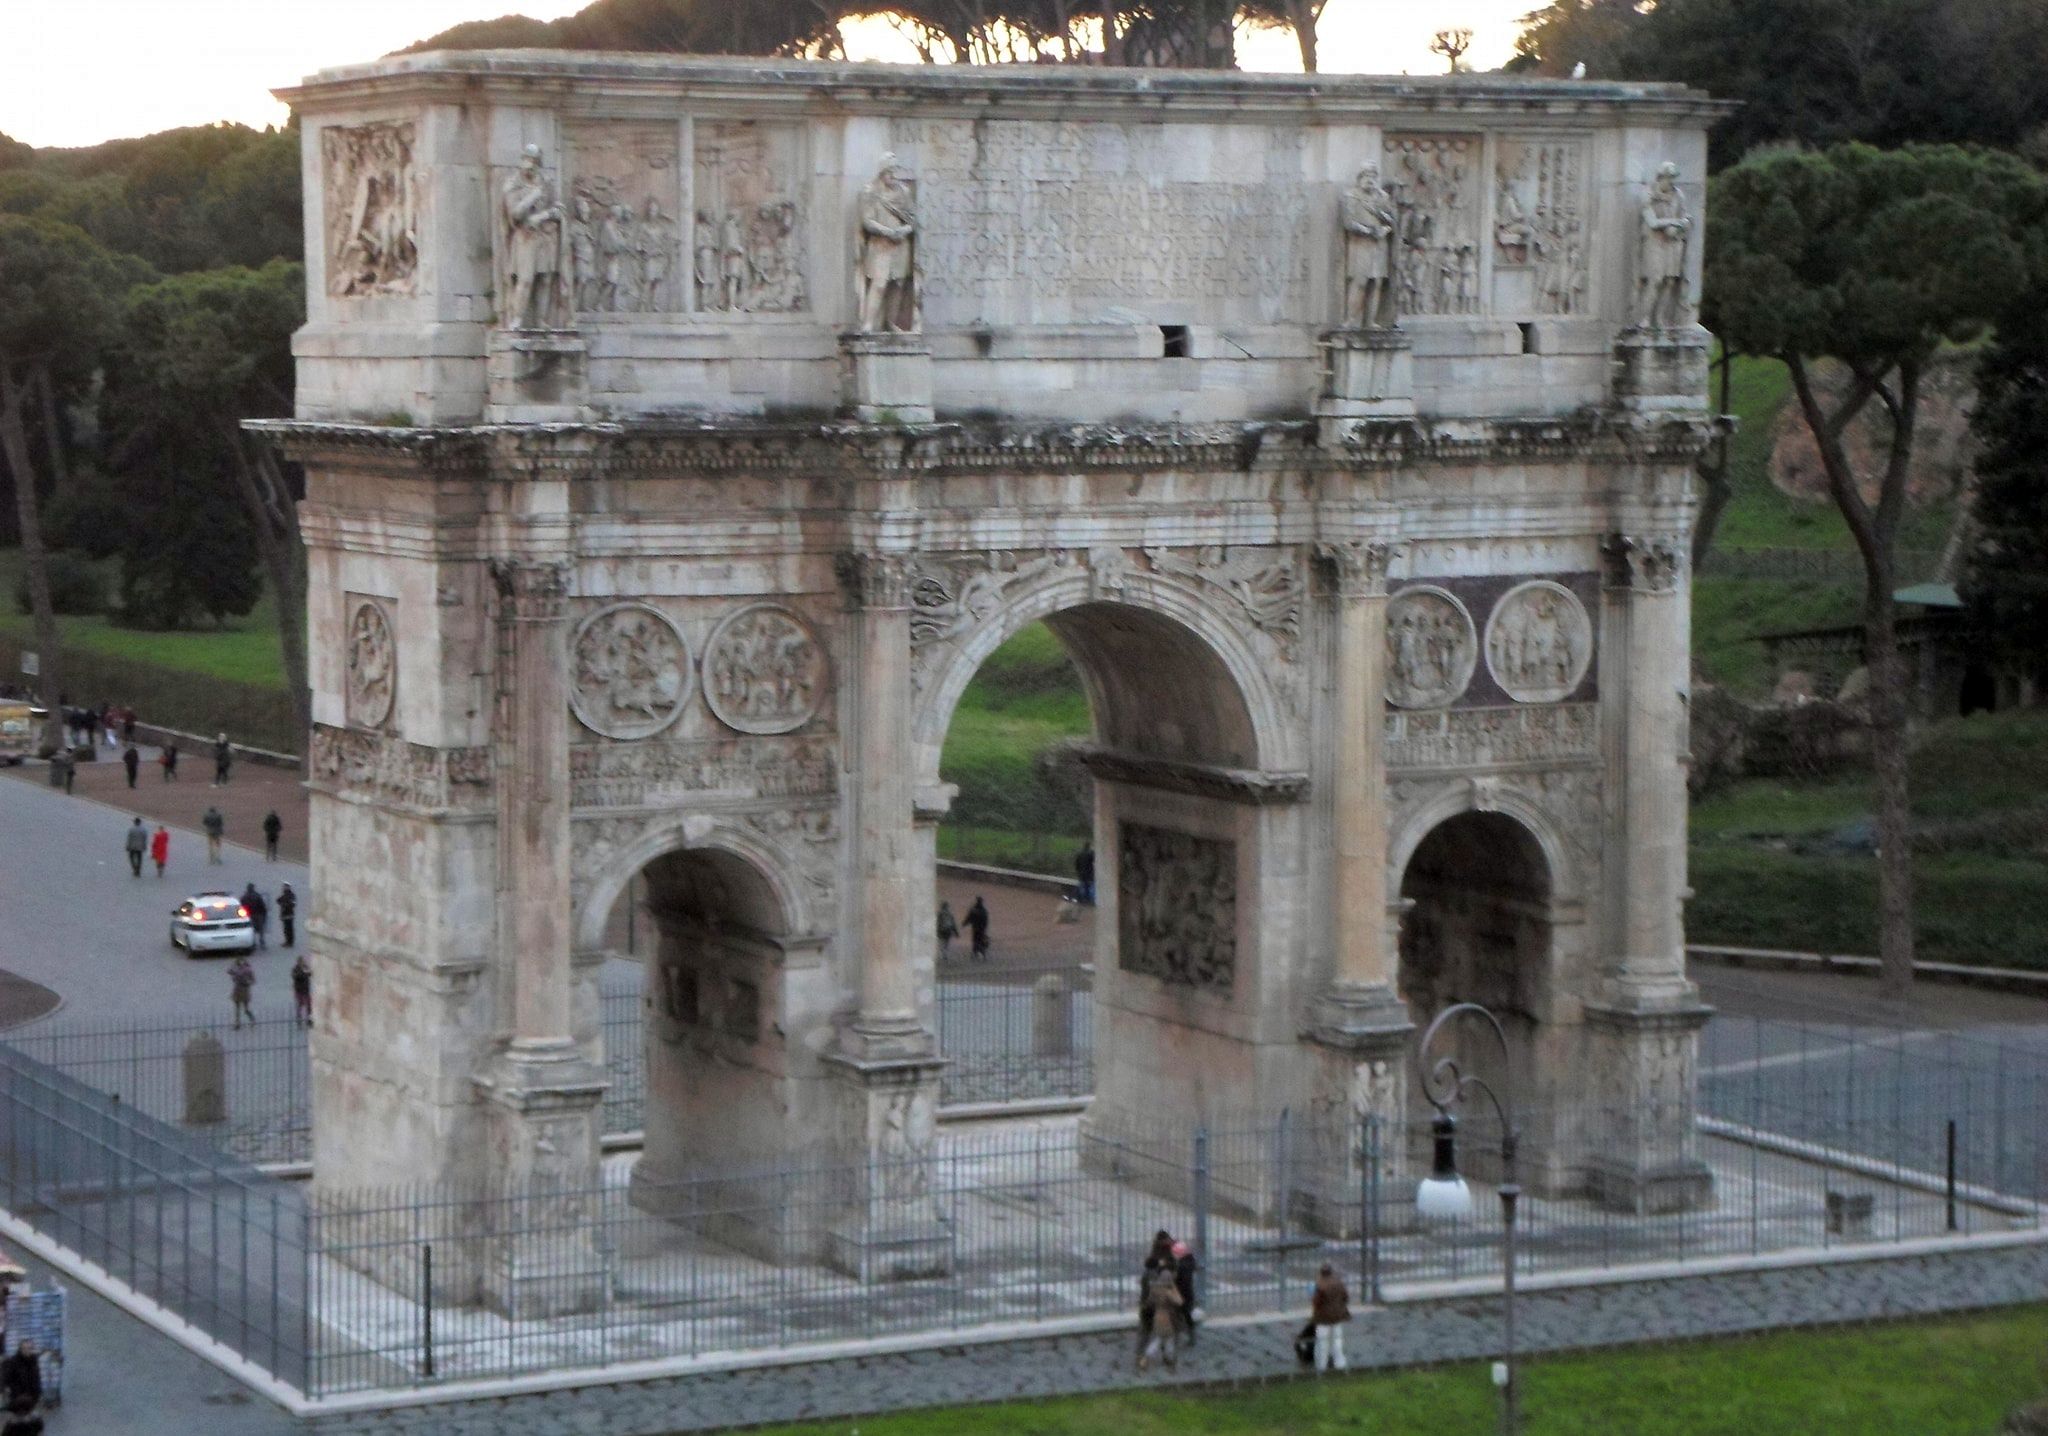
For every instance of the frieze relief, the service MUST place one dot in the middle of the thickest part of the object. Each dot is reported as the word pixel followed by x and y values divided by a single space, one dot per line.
pixel 1540 227
pixel 1435 183
pixel 373 201
pixel 1467 738
pixel 387 769
pixel 658 774
pixel 765 671
pixel 630 671
pixel 747 237
pixel 1177 907
pixel 623 237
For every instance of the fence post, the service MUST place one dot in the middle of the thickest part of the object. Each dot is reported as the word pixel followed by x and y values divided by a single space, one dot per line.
pixel 426 1308
pixel 1951 1174
pixel 1201 1192
pixel 1369 1210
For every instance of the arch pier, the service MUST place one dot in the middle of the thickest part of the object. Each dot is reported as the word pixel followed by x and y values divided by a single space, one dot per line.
pixel 1314 415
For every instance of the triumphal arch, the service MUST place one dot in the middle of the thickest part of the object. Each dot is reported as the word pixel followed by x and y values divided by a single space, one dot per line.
pixel 681 434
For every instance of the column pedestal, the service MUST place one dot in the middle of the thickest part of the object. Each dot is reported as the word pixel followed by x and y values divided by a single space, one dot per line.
pixel 1358 1093
pixel 1657 369
pixel 1367 374
pixel 536 376
pixel 1646 1144
pixel 544 1106
pixel 890 1230
pixel 886 378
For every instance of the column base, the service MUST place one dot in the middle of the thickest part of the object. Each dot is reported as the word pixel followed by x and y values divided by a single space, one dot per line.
pixel 1649 1189
pixel 1662 368
pixel 542 1190
pixel 890 1230
pixel 1645 1136
pixel 1358 1084
pixel 886 378
pixel 536 376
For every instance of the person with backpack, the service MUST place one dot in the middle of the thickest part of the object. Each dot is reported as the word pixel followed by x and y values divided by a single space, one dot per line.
pixel 1161 1314
pixel 1330 1309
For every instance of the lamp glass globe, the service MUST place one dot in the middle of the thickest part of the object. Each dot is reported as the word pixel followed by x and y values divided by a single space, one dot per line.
pixel 1443 1199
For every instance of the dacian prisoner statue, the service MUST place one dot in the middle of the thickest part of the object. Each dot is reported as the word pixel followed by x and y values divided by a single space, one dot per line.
pixel 1661 299
pixel 1371 222
pixel 889 301
pixel 536 259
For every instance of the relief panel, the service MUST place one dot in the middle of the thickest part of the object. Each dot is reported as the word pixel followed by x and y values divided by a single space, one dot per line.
pixel 1177 907
pixel 660 773
pixel 623 236
pixel 1435 183
pixel 1539 642
pixel 1540 227
pixel 373 204
pixel 747 236
pixel 371 680
pixel 765 671
pixel 629 671
pixel 1432 647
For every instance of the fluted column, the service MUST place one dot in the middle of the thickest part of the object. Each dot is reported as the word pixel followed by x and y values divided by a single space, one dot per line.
pixel 878 753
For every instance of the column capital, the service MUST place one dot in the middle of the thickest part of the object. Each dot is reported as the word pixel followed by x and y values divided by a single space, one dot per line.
pixel 1359 566
pixel 875 580
pixel 530 588
pixel 1648 563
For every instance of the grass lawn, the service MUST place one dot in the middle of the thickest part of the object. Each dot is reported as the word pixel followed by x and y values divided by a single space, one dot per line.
pixel 1955 1377
pixel 244 650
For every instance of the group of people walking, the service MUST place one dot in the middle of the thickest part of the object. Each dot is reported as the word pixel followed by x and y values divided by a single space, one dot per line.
pixel 242 987
pixel 1168 1312
pixel 157 845
pixel 976 923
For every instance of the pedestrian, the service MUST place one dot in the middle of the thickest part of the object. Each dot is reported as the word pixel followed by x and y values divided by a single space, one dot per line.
pixel 108 724
pixel 1084 874
pixel 287 913
pixel 302 991
pixel 160 848
pixel 273 825
pixel 977 924
pixel 137 844
pixel 259 914
pixel 1160 1315
pixel 242 980
pixel 132 761
pixel 21 1379
pixel 223 759
pixel 169 759
pixel 1184 1268
pixel 949 929
pixel 1329 1309
pixel 216 828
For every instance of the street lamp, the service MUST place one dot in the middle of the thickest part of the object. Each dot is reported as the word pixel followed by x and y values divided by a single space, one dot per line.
pixel 1442 1196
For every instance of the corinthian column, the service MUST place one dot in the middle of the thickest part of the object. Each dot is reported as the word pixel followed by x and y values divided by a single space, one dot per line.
pixel 878 754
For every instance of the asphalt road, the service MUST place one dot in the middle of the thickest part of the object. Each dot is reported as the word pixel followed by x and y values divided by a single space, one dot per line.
pixel 74 920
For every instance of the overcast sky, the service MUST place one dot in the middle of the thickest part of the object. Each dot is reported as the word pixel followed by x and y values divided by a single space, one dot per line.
pixel 75 72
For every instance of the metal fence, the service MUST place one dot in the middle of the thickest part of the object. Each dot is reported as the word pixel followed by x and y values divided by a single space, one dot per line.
pixel 1814 565
pixel 1813 1135
pixel 1016 1033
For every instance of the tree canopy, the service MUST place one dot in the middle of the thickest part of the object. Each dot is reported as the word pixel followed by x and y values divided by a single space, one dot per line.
pixel 2006 582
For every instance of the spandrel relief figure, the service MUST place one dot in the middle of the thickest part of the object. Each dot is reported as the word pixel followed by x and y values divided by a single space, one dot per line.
pixel 1371 228
pixel 1664 245
pixel 887 275
pixel 657 259
pixel 586 280
pixel 534 282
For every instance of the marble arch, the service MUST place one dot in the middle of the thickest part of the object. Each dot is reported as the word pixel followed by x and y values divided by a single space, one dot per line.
pixel 700 556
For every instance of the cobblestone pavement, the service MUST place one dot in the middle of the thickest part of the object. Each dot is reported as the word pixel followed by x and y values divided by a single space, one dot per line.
pixel 1409 1334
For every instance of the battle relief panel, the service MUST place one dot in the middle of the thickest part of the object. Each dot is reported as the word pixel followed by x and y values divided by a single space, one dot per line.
pixel 747 253
pixel 1483 642
pixel 1435 182
pixel 372 202
pixel 1541 227
pixel 624 235
pixel 1177 907
pixel 1050 221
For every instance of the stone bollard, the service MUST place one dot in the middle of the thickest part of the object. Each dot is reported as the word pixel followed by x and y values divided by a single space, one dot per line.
pixel 206 1080
pixel 1052 1016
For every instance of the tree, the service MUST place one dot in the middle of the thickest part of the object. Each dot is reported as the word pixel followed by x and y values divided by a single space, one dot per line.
pixel 1593 33
pixel 2006 582
pixel 1452 45
pixel 53 319
pixel 1873 259
pixel 196 355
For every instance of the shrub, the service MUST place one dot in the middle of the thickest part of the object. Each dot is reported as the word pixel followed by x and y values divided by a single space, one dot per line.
pixel 75 585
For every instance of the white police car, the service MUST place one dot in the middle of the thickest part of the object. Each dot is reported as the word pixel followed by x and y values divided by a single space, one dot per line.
pixel 212 922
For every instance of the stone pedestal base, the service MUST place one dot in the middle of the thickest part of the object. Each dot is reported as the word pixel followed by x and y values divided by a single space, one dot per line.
pixel 1662 368
pixel 536 376
pixel 1354 1151
pixel 1367 374
pixel 1644 1133
pixel 890 1230
pixel 541 1187
pixel 886 378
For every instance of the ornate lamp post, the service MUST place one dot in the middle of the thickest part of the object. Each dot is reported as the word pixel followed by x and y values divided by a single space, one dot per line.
pixel 1442 1195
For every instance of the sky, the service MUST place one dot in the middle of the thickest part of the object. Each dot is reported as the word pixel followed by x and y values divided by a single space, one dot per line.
pixel 75 72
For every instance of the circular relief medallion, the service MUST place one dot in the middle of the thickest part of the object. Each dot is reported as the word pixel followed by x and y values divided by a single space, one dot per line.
pixel 631 671
pixel 764 670
pixel 1538 642
pixel 1432 647
pixel 372 666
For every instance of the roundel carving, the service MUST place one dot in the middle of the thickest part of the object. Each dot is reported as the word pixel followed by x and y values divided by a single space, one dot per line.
pixel 1432 647
pixel 764 670
pixel 372 666
pixel 630 671
pixel 1539 642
